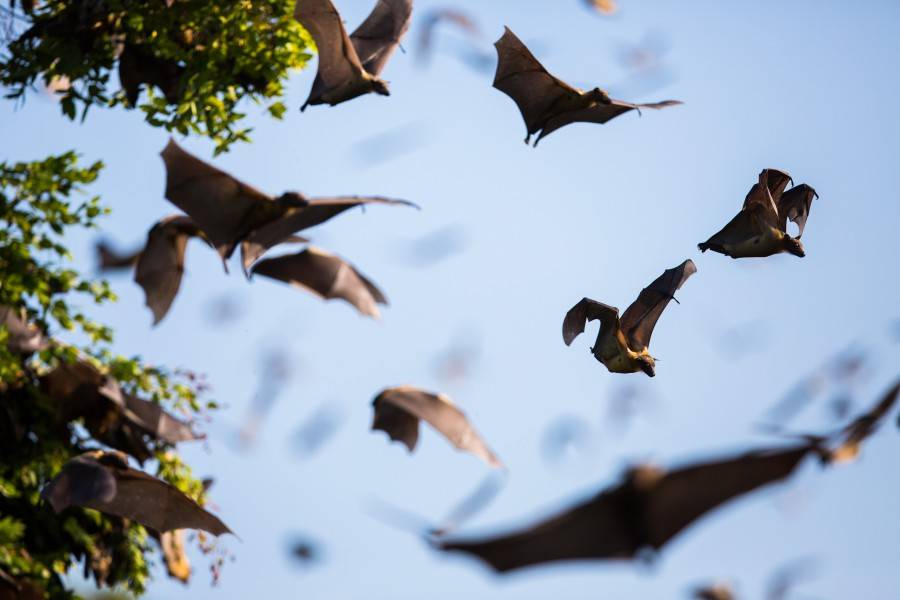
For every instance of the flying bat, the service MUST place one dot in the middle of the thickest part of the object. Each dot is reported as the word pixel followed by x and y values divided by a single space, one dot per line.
pixel 645 511
pixel 760 229
pixel 622 344
pixel 546 102
pixel 462 21
pixel 851 437
pixel 104 481
pixel 138 67
pixel 230 212
pixel 24 338
pixel 349 66
pixel 398 410
pixel 325 275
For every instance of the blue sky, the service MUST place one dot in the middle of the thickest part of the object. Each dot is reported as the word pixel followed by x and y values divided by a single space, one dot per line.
pixel 595 211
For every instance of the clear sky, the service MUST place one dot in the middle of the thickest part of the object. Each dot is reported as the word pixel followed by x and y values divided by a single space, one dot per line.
pixel 595 211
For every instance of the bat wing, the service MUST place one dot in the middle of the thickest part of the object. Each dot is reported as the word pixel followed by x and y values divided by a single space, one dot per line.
pixel 863 426
pixel 110 260
pixel 379 35
pixel 795 205
pixel 151 417
pixel 326 275
pixel 161 264
pixel 81 482
pixel 400 425
pixel 776 181
pixel 685 495
pixel 338 61
pixel 598 113
pixel 761 197
pixel 222 206
pixel 521 77
pixel 438 411
pixel 640 318
pixel 597 529
pixel 588 310
pixel 743 226
pixel 297 219
pixel 24 337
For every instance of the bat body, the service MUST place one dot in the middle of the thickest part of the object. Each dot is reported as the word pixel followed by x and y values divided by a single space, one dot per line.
pixel 623 343
pixel 546 102
pixel 349 66
pixel 716 591
pixel 645 511
pixel 760 228
pixel 104 481
pixel 398 410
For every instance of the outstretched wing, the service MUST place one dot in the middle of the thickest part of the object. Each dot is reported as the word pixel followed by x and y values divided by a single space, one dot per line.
pixel 588 310
pixel 640 318
pixel 379 35
pixel 521 77
pixel 794 205
pixel 326 275
pixel 598 113
pixel 763 196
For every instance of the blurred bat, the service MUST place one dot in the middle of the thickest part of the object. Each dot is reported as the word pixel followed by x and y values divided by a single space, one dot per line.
pixel 625 402
pixel 853 435
pixel 646 510
pixel 24 338
pixel 397 412
pixel 276 372
pixel 317 430
pixel 390 144
pixel 548 103
pixel 760 229
pixel 471 54
pixel 230 212
pixel 304 551
pixel 716 591
pixel 104 481
pixel 109 259
pixel 325 275
pixel 436 246
pixel 458 361
pixel 786 577
pixel 605 7
pixel 349 66
pixel 178 565
pixel 565 435
pixel 622 344
pixel 137 66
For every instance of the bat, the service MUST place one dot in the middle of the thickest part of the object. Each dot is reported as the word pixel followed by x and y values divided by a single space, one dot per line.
pixel 546 102
pixel 325 275
pixel 398 410
pixel 760 228
pixel 459 19
pixel 24 338
pixel 646 510
pixel 109 259
pixel 104 481
pixel 138 67
pixel 622 343
pixel 861 428
pixel 349 66
pixel 716 591
pixel 178 565
pixel 160 264
pixel 230 212
pixel 606 7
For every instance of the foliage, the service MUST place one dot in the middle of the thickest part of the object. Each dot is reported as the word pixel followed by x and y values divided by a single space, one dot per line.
pixel 39 203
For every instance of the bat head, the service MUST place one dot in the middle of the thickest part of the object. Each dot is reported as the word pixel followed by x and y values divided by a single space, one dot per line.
pixel 380 87
pixel 647 364
pixel 293 199
pixel 793 246
pixel 598 95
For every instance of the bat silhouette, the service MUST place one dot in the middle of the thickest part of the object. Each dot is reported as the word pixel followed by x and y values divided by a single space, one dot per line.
pixel 108 259
pixel 24 338
pixel 325 275
pixel 349 66
pixel 760 229
pixel 546 102
pixel 138 67
pixel 645 511
pixel 622 344
pixel 104 481
pixel 230 212
pixel 398 410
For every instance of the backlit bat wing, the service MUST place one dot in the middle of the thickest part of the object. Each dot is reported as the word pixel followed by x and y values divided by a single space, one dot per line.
pixel 598 113
pixel 761 197
pixel 588 310
pixel 379 35
pixel 795 205
pixel 640 318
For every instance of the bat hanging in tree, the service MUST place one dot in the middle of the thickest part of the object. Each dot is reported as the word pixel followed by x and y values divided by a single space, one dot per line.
pixel 104 481
pixel 760 229
pixel 398 411
pixel 137 67
pixel 548 103
pixel 230 212
pixel 645 511
pixel 622 343
pixel 349 66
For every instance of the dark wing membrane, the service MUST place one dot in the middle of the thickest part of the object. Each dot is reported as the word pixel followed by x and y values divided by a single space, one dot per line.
pixel 640 318
pixel 865 425
pixel 338 61
pixel 161 425
pixel 588 310
pixel 747 224
pixel 325 275
pixel 685 495
pixel 400 425
pixel 217 202
pixel 379 35
pixel 760 198
pixel 109 259
pixel 439 411
pixel 597 529
pixel 776 181
pixel 161 264
pixel 82 481
pixel 795 205
pixel 598 113
pixel 521 77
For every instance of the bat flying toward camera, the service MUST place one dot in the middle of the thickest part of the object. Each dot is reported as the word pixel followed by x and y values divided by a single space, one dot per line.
pixel 645 511
pixel 622 343
pixel 546 102
pixel 760 229
pixel 349 66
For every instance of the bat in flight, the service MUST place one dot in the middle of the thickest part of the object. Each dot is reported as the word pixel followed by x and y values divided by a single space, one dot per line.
pixel 622 343
pixel 230 212
pixel 104 481
pixel 760 229
pixel 398 411
pixel 645 511
pixel 349 66
pixel 546 102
